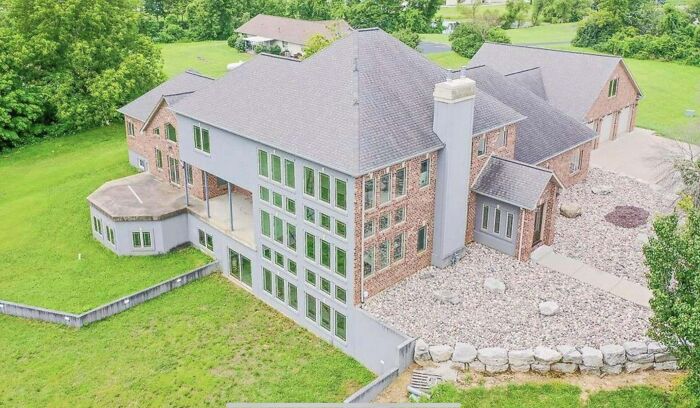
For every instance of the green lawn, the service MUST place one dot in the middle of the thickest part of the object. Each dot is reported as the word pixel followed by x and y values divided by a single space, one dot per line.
pixel 456 14
pixel 204 344
pixel 46 226
pixel 207 57
pixel 543 34
pixel 559 395
pixel 449 59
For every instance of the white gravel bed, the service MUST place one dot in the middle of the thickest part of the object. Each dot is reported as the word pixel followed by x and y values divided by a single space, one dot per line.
pixel 588 316
pixel 595 241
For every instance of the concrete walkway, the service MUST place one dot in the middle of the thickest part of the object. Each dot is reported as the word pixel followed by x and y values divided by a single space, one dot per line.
pixel 582 272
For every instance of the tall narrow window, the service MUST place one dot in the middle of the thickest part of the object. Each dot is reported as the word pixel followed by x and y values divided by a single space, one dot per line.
pixel 369 228
pixel 369 193
pixel 292 298
pixel 324 191
pixel 509 225
pixel 421 239
pixel 278 230
pixel 481 146
pixel 188 173
pixel 325 254
pixel 310 246
pixel 159 159
pixel 130 129
pixel 170 132
pixel 136 239
pixel 497 221
pixel 262 163
pixel 279 288
pixel 576 160
pixel 612 88
pixel 424 179
pixel 146 239
pixel 276 168
pixel 400 182
pixel 385 188
pixel 265 223
pixel 384 249
pixel 309 178
pixel 197 131
pixel 289 180
pixel 205 141
pixel 340 325
pixel 485 217
pixel 325 316
pixel 340 194
pixel 267 281
pixel 340 262
pixel 311 307
pixel 398 247
pixel 292 237
pixel 502 139
pixel 368 267
pixel 174 170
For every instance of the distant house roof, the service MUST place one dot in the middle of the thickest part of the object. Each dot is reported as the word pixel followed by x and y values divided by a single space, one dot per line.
pixel 364 102
pixel 293 30
pixel 513 182
pixel 175 89
pixel 557 69
pixel 546 132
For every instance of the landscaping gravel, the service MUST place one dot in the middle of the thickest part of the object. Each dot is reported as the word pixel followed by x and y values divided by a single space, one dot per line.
pixel 485 318
pixel 599 243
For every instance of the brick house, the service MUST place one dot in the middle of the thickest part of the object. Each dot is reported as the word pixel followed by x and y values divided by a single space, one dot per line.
pixel 319 183
pixel 597 90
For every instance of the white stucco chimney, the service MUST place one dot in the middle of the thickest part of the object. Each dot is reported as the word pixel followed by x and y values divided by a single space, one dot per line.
pixel 453 121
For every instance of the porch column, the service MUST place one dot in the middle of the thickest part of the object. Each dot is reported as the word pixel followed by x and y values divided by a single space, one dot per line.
pixel 206 191
pixel 187 194
pixel 230 204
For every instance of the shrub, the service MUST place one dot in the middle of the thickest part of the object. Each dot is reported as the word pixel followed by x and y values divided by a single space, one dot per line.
pixel 407 37
pixel 516 12
pixel 467 38
pixel 233 39
pixel 597 28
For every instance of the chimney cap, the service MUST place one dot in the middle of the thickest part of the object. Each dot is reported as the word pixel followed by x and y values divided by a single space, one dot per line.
pixel 454 91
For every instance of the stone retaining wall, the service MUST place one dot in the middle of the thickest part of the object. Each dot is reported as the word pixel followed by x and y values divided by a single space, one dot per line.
pixel 631 357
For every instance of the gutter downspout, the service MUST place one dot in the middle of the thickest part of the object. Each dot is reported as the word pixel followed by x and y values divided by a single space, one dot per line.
pixel 206 192
pixel 522 231
pixel 187 194
pixel 362 243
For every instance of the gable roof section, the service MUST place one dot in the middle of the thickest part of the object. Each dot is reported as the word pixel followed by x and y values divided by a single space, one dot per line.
pixel 572 80
pixel 513 182
pixel 187 82
pixel 361 104
pixel 293 30
pixel 530 79
pixel 546 132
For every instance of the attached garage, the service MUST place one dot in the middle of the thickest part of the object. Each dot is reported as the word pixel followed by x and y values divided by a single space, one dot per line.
pixel 623 121
pixel 606 127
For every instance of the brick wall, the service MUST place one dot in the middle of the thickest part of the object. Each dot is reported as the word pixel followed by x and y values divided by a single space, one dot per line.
pixel 626 96
pixel 560 165
pixel 420 209
pixel 527 228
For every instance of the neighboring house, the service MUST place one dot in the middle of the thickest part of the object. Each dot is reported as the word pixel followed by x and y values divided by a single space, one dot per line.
pixel 328 180
pixel 291 35
pixel 597 90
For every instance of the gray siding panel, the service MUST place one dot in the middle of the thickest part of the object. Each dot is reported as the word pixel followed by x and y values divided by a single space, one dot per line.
pixel 488 237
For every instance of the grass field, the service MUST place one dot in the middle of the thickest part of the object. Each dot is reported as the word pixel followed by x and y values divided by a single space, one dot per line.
pixel 544 34
pixel 46 225
pixel 207 57
pixel 449 59
pixel 204 344
pixel 458 13
pixel 560 395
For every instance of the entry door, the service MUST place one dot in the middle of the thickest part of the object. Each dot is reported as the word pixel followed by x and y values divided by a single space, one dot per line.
pixel 241 267
pixel 539 224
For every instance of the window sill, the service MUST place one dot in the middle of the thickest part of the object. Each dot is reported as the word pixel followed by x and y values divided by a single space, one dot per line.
pixel 202 152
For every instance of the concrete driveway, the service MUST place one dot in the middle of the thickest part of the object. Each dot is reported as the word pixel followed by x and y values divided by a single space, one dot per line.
pixel 642 155
pixel 426 47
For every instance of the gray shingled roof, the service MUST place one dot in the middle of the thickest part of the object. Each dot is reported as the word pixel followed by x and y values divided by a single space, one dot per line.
pixel 361 104
pixel 187 82
pixel 530 79
pixel 572 80
pixel 512 182
pixel 293 30
pixel 546 132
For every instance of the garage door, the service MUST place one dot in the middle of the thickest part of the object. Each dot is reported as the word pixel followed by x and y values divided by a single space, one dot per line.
pixel 623 123
pixel 606 128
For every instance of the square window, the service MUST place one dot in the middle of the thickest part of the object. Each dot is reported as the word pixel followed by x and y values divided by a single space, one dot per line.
pixel 325 221
pixel 340 294
pixel 277 199
pixel 291 267
pixel 265 194
pixel 310 278
pixel 369 228
pixel 368 263
pixel 340 229
pixel 399 215
pixel 279 259
pixel 291 206
pixel 267 253
pixel 324 192
pixel 384 188
pixel 384 221
pixel 424 178
pixel 326 285
pixel 310 215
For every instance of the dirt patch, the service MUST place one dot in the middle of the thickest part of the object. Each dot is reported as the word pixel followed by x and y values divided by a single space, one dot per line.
pixel 627 216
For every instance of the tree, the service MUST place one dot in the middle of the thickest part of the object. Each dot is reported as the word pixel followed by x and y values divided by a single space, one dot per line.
pixel 693 9
pixel 210 19
pixel 689 170
pixel 407 37
pixel 467 38
pixel 673 257
pixel 311 9
pixel 598 27
pixel 315 44
pixel 516 13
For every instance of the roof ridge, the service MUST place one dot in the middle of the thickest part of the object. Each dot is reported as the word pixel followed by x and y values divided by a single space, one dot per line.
pixel 532 166
pixel 554 50
pixel 282 57
pixel 177 93
pixel 521 71
pixel 196 73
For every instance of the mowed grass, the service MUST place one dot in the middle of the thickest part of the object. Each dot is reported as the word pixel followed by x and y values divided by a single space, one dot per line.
pixel 205 344
pixel 46 226
pixel 465 13
pixel 560 395
pixel 450 59
pixel 543 34
pixel 207 57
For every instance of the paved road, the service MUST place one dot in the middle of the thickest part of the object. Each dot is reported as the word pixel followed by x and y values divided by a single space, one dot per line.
pixel 431 48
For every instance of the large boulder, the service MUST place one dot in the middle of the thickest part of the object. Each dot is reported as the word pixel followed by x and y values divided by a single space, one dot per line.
pixel 569 354
pixel 602 189
pixel 634 348
pixel 591 357
pixel 613 354
pixel 570 210
pixel 464 353
pixel 549 308
pixel 447 297
pixel 565 368
pixel 494 285
pixel 495 369
pixel 547 355
pixel 493 356
pixel 655 347
pixel 666 366
pixel 441 353
pixel 613 369
pixel 421 351
pixel 521 357
pixel 637 367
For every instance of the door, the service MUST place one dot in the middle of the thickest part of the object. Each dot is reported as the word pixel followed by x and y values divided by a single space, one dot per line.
pixel 605 129
pixel 240 267
pixel 539 225
pixel 623 122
